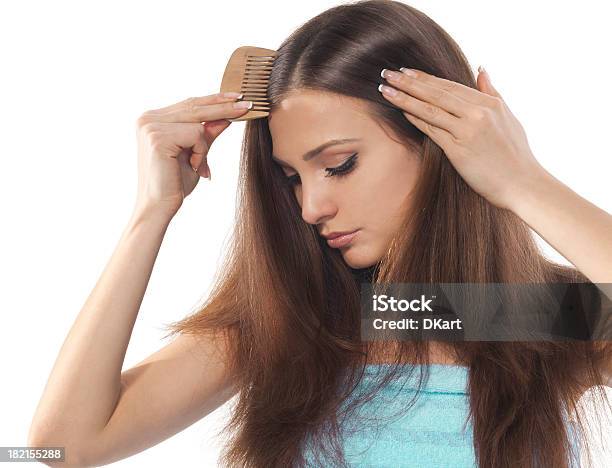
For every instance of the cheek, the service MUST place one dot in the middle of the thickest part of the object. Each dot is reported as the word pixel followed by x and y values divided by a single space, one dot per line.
pixel 389 189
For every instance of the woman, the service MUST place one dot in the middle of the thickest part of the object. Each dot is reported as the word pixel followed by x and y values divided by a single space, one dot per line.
pixel 440 186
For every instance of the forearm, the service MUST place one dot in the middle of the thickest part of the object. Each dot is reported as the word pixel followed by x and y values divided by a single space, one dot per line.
pixel 85 382
pixel 576 228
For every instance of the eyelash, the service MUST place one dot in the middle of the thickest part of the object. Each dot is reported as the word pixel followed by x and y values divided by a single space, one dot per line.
pixel 340 171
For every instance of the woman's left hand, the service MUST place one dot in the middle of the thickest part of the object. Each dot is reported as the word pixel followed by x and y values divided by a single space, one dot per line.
pixel 482 139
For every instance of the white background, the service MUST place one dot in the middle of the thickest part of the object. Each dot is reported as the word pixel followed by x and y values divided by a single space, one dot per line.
pixel 77 75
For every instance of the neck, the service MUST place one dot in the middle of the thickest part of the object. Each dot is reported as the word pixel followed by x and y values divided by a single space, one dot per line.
pixel 364 275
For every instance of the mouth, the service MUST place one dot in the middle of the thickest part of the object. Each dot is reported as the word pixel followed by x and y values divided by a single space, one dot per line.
pixel 342 239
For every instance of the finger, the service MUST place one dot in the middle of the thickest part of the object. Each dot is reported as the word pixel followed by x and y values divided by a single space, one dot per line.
pixel 198 159
pixel 423 110
pixel 214 128
pixel 199 165
pixel 196 113
pixel 181 135
pixel 485 85
pixel 440 136
pixel 198 100
pixel 439 97
pixel 422 83
pixel 186 138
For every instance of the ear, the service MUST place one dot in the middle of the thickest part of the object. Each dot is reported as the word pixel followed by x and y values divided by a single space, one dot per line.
pixel 483 82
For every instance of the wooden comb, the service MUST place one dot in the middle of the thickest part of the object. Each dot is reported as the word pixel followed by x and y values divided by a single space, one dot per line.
pixel 248 72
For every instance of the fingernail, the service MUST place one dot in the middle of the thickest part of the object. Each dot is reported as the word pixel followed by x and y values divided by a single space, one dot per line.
pixel 388 90
pixel 232 94
pixel 408 71
pixel 481 69
pixel 194 169
pixel 390 75
pixel 243 105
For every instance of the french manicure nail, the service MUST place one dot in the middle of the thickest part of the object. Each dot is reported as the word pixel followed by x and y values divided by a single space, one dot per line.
pixel 232 94
pixel 408 71
pixel 388 90
pixel 243 105
pixel 390 75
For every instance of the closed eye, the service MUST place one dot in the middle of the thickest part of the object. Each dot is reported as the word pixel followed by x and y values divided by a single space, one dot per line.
pixel 338 171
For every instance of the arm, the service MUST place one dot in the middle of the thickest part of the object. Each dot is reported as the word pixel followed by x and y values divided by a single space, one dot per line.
pixel 576 228
pixel 488 147
pixel 85 382
pixel 165 393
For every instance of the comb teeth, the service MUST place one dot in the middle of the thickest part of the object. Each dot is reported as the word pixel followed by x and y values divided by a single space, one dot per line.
pixel 255 82
pixel 248 72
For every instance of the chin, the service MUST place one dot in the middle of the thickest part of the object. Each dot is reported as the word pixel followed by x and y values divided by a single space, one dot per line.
pixel 356 259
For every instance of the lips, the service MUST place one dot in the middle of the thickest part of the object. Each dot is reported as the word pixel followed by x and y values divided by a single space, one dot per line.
pixel 341 240
pixel 334 235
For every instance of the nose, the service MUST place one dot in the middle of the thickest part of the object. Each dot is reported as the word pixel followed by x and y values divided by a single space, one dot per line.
pixel 317 206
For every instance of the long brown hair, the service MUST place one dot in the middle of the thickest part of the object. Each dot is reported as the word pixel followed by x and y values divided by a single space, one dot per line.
pixel 288 306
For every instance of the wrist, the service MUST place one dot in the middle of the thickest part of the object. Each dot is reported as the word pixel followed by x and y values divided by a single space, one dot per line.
pixel 151 216
pixel 530 189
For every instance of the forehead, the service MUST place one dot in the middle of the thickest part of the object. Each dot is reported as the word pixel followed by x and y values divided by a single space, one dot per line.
pixel 306 118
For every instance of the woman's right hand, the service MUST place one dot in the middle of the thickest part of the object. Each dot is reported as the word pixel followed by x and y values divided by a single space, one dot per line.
pixel 173 144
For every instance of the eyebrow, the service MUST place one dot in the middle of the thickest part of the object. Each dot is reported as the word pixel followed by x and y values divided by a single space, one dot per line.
pixel 319 149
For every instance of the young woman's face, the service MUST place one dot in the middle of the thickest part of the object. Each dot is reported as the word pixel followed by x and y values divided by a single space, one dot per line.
pixel 374 177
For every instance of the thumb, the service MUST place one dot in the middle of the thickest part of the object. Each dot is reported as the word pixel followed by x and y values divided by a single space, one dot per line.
pixel 214 128
pixel 484 83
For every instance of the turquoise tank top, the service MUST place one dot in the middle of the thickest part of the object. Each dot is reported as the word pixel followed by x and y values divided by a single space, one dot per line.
pixel 434 432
